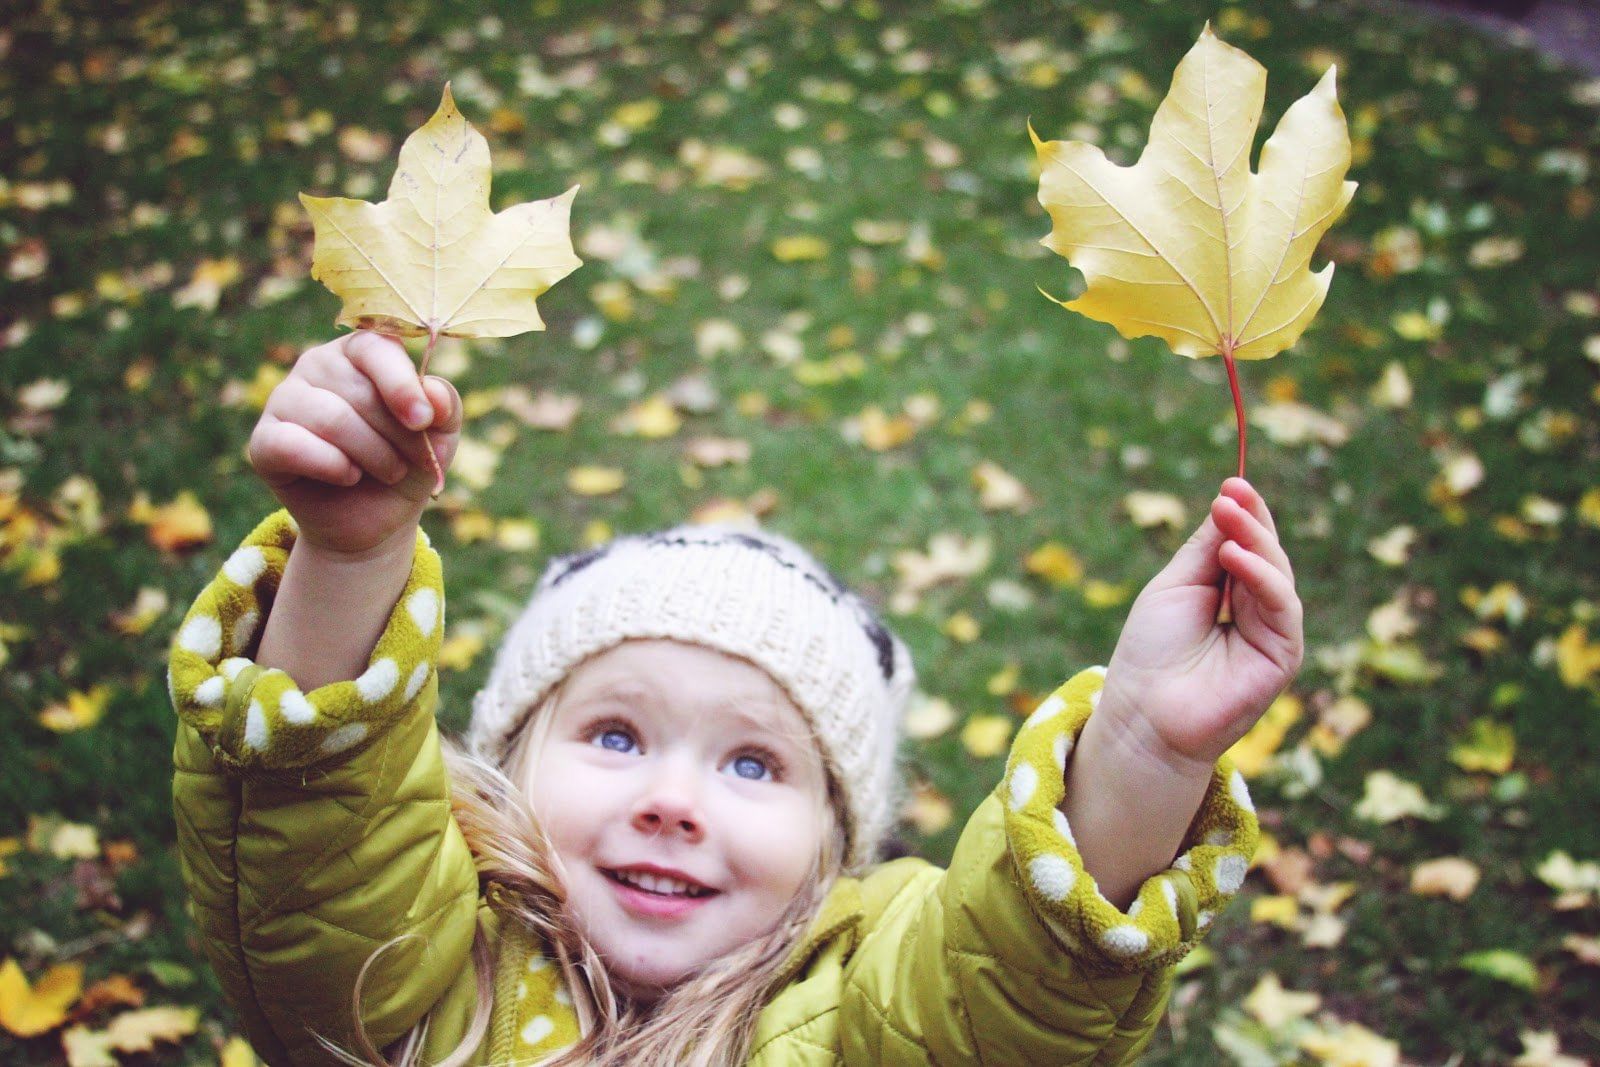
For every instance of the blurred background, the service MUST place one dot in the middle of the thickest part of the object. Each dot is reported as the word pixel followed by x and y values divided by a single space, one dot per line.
pixel 810 299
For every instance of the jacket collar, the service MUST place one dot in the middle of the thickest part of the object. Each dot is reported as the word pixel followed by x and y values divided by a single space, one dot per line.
pixel 839 917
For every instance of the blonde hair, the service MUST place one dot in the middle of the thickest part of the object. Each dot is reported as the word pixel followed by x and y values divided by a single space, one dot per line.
pixel 707 1020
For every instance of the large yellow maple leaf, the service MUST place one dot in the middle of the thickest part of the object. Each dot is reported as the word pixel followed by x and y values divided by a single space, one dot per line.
pixel 1189 245
pixel 433 260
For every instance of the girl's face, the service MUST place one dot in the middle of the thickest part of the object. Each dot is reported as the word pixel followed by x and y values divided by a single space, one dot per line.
pixel 687 801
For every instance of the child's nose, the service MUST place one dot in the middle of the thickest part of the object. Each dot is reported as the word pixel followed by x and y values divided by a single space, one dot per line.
pixel 670 806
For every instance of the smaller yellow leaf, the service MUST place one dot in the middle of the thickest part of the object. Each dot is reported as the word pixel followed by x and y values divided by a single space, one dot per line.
pixel 517 535
pixel 1577 660
pixel 172 527
pixel 238 1053
pixel 1099 594
pixel 928 809
pixel 1394 546
pixel 80 711
pixel 88 1048
pixel 595 481
pixel 1155 509
pixel 928 716
pixel 1389 797
pixel 799 249
pixel 138 1031
pixel 653 418
pixel 1252 751
pixel 999 490
pixel 148 606
pixel 30 1011
pixel 962 628
pixel 986 736
pixel 1275 1006
pixel 1004 681
pixel 1280 910
pixel 1489 746
pixel 1450 876
pixel 1055 563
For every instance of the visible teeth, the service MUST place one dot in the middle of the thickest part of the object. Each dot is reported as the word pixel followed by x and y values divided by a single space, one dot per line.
pixel 660 883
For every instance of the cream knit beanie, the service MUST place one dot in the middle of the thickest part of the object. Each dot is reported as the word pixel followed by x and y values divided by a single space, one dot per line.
pixel 749 594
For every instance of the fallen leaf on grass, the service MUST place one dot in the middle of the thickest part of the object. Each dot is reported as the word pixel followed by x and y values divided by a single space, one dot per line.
pixel 595 481
pixel 998 490
pixel 30 1010
pixel 986 736
pixel 1543 1049
pixel 1055 563
pixel 1252 751
pixel 171 527
pixel 79 711
pixel 1504 965
pixel 1155 509
pixel 1275 1006
pixel 1389 797
pixel 1449 876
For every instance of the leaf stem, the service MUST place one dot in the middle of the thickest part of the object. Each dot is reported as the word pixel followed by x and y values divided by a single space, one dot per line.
pixel 438 472
pixel 1225 608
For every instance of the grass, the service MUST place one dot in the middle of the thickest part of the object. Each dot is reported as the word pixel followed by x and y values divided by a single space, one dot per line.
pixel 181 133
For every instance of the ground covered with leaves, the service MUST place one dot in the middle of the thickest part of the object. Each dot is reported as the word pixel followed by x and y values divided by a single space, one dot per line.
pixel 811 242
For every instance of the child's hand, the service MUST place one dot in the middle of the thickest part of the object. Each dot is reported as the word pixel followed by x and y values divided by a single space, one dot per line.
pixel 1185 688
pixel 340 442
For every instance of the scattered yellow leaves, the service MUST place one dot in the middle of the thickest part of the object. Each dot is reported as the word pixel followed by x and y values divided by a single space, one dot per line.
pixel 80 711
pixel 1252 751
pixel 1489 746
pixel 1449 876
pixel 1275 1006
pixel 30 1010
pixel 595 481
pixel 1055 563
pixel 172 527
pixel 653 417
pixel 999 490
pixel 132 1031
pixel 986 736
pixel 1149 509
pixel 1577 659
pixel 800 248
pixel 1388 797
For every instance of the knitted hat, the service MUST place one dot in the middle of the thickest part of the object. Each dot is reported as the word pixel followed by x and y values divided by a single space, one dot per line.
pixel 749 594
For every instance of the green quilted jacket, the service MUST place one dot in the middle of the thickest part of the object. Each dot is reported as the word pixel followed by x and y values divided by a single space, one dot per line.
pixel 315 827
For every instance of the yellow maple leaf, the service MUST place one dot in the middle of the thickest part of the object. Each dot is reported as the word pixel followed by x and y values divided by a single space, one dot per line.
pixel 28 1011
pixel 433 260
pixel 138 1031
pixel 81 710
pixel 1188 244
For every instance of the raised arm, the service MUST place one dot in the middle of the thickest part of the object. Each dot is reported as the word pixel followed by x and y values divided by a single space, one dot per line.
pixel 339 443
pixel 1180 690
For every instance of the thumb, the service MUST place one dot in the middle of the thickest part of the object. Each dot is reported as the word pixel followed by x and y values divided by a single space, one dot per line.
pixel 1195 563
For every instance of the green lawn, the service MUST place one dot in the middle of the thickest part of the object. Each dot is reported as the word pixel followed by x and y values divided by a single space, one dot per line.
pixel 155 277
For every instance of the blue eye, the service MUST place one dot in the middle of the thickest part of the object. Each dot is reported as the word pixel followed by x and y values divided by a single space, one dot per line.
pixel 615 740
pixel 751 767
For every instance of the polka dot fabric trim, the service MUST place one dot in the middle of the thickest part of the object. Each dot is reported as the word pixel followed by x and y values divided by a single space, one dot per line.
pixel 256 719
pixel 1174 908
pixel 543 1021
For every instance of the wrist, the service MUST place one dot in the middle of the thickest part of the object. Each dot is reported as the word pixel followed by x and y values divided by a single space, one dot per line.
pixel 397 545
pixel 1122 729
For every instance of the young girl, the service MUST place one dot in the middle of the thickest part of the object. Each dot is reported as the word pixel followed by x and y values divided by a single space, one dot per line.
pixel 658 844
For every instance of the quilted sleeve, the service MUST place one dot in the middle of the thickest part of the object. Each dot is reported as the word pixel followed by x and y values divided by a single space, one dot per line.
pixel 314 827
pixel 1013 955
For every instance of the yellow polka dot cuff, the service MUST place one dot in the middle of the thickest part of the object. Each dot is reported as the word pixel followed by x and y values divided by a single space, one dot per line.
pixel 1173 908
pixel 258 719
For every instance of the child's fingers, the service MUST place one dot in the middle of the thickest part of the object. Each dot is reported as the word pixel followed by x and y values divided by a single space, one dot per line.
pixel 446 405
pixel 1272 589
pixel 332 418
pixel 1195 562
pixel 385 362
pixel 1242 491
pixel 282 452
pixel 1241 526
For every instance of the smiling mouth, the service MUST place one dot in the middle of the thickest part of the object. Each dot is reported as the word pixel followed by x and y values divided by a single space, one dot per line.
pixel 657 884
